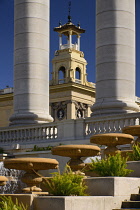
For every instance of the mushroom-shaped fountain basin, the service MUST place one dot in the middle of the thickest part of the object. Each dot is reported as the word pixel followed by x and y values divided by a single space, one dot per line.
pixel 3 180
pixel 111 140
pixel 75 152
pixel 30 163
pixel 133 130
pixel 31 166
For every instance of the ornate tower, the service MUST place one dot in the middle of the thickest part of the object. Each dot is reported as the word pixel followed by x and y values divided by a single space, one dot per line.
pixel 71 95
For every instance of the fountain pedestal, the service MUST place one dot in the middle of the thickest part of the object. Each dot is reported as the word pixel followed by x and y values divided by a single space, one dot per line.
pixel 111 140
pixel 31 166
pixel 75 152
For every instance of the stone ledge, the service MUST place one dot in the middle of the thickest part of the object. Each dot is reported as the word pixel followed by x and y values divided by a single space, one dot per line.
pixel 134 165
pixel 112 186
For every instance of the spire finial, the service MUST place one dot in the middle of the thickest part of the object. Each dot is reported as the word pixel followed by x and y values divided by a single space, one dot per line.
pixel 60 24
pixel 69 15
pixel 78 24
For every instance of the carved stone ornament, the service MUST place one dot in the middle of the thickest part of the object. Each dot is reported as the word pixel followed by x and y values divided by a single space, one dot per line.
pixel 79 113
pixel 59 105
pixel 61 114
pixel 81 109
pixel 59 109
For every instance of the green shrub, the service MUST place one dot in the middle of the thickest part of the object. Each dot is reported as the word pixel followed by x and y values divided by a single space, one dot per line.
pixel 6 203
pixel 112 166
pixel 135 155
pixel 36 148
pixel 66 184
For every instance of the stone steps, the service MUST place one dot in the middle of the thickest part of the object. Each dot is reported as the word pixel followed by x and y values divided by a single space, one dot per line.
pixel 131 204
pixel 134 203
pixel 135 197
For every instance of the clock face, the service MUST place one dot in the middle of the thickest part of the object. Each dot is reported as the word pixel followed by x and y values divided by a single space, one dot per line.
pixel 60 114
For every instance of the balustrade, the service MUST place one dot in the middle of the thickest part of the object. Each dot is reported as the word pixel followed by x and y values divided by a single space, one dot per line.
pixel 110 124
pixel 25 134
pixel 72 130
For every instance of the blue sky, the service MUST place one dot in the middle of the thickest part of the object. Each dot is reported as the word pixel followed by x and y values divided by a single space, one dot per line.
pixel 81 11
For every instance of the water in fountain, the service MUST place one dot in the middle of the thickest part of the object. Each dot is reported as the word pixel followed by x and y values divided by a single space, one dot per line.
pixel 88 159
pixel 14 185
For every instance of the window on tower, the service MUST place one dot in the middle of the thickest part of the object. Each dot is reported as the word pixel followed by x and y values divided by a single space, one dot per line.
pixel 77 75
pixel 61 75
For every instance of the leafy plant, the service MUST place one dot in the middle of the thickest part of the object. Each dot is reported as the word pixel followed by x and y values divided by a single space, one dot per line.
pixel 112 166
pixel 66 184
pixel 6 203
pixel 36 148
pixel 135 155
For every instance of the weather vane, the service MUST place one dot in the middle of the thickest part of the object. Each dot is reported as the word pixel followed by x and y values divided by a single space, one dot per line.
pixel 69 16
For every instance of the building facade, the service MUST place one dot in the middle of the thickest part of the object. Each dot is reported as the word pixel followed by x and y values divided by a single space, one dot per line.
pixel 71 95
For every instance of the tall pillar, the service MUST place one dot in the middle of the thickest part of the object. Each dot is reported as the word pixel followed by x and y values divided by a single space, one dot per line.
pixel 115 57
pixel 31 62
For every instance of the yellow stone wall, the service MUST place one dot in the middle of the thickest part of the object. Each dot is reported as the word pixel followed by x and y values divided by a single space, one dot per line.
pixel 6 109
pixel 70 59
pixel 70 93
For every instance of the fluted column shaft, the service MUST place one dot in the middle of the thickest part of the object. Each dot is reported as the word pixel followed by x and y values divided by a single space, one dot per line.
pixel 115 57
pixel 31 62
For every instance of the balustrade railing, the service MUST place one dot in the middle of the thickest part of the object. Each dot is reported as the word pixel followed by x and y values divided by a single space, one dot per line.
pixel 28 133
pixel 80 129
pixel 110 124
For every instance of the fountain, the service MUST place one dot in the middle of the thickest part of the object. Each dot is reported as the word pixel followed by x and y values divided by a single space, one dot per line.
pixel 31 166
pixel 13 180
pixel 75 152
pixel 111 140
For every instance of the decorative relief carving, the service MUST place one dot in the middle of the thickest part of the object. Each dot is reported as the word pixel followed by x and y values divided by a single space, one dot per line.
pixel 81 109
pixel 82 54
pixel 59 110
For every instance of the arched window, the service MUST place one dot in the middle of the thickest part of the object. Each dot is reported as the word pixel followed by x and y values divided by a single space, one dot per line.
pixel 78 75
pixel 61 75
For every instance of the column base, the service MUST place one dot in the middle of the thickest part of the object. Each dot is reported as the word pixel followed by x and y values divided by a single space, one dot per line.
pixel 113 107
pixel 28 118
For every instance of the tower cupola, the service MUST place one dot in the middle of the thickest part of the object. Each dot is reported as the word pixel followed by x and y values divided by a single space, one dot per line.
pixel 69 64
pixel 68 30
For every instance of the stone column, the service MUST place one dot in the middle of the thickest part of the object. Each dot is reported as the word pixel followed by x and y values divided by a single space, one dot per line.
pixel 70 39
pixel 31 62
pixel 78 41
pixel 115 57
pixel 60 41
